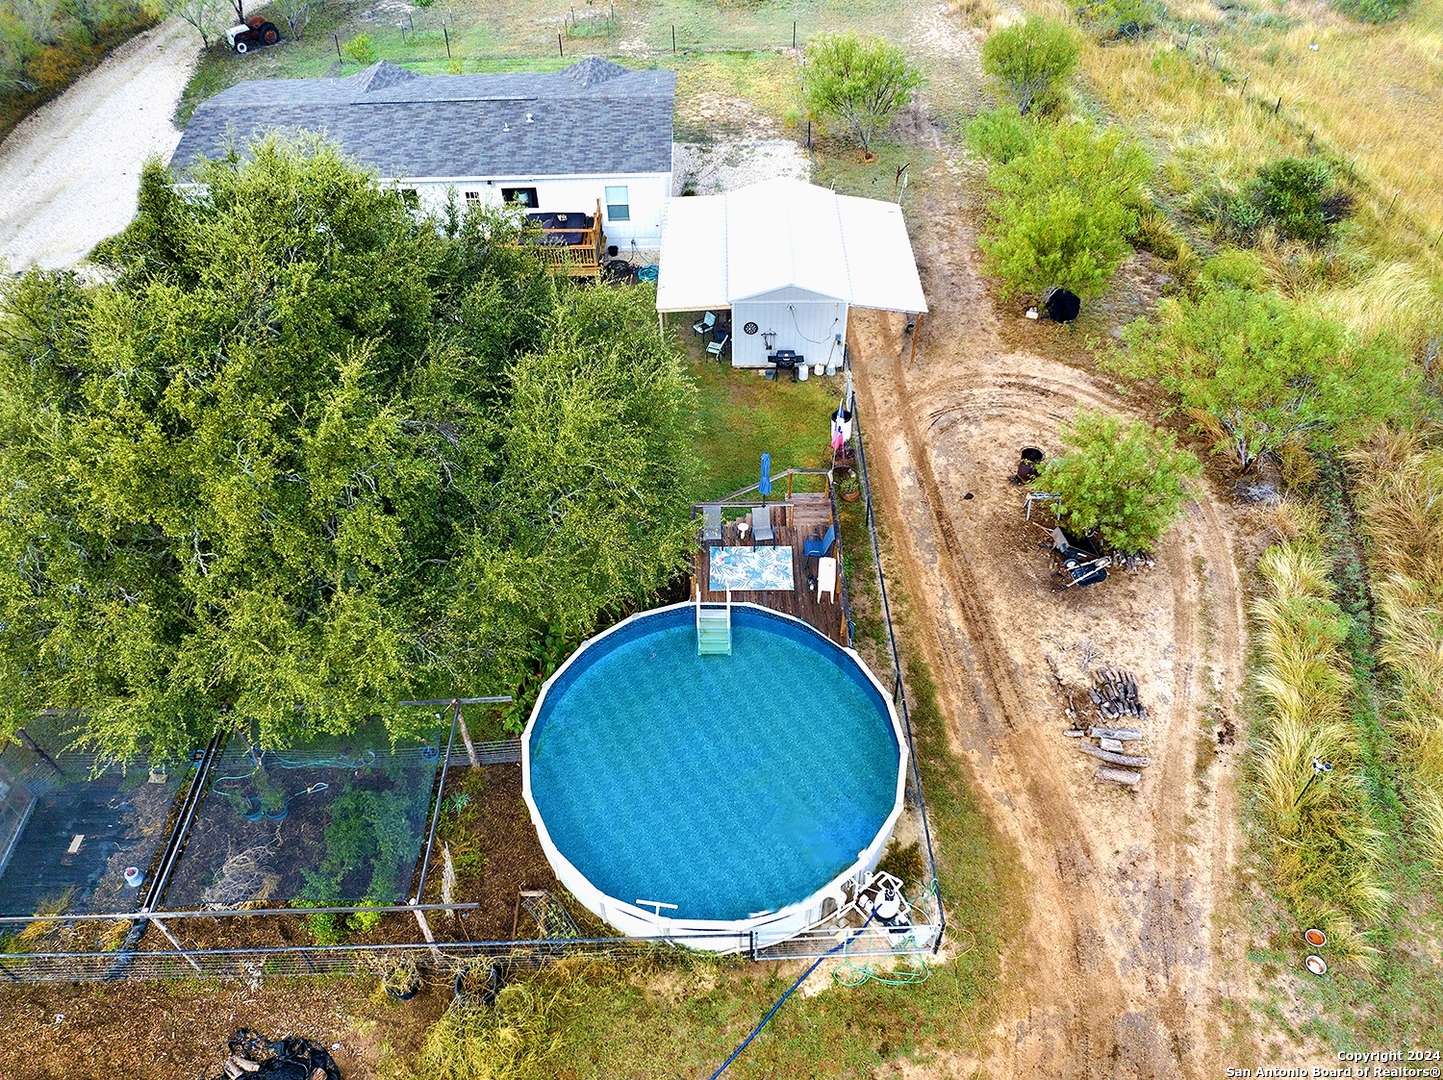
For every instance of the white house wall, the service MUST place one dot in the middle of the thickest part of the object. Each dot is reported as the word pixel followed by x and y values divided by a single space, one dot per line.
pixel 810 329
pixel 647 195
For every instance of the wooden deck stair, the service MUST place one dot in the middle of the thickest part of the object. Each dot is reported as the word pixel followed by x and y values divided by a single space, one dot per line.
pixel 713 627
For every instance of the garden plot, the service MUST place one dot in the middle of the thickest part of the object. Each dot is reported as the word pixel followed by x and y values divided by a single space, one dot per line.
pixel 336 822
pixel 68 833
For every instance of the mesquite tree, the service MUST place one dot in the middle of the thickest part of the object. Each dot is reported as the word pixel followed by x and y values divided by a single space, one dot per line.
pixel 861 81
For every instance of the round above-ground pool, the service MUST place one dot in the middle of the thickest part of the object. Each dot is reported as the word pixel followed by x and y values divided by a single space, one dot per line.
pixel 679 795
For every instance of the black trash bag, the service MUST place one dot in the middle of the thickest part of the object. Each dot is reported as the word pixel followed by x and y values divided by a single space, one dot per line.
pixel 1063 306
pixel 290 1058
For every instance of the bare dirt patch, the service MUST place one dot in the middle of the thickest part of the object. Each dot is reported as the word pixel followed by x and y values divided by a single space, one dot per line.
pixel 1126 964
pixel 155 1030
pixel 70 173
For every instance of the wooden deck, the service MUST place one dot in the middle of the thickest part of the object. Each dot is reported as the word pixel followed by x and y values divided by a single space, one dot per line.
pixel 803 515
pixel 581 259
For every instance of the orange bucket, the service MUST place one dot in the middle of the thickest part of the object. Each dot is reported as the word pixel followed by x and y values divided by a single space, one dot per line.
pixel 1315 937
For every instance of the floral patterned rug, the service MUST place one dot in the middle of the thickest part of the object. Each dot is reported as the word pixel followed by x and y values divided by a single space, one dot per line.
pixel 751 569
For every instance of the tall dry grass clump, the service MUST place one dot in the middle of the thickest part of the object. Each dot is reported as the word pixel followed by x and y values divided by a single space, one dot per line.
pixel 1323 845
pixel 1400 496
pixel 520 1032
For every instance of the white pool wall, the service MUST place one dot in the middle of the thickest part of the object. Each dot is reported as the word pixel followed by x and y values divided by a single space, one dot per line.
pixel 713 934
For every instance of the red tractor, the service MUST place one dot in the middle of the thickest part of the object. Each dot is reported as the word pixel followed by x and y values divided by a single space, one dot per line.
pixel 251 34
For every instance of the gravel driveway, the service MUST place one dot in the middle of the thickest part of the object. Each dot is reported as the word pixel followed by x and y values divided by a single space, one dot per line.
pixel 69 173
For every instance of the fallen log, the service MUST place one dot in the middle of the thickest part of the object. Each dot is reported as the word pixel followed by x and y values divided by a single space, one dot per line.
pixel 1137 762
pixel 1117 776
pixel 1123 733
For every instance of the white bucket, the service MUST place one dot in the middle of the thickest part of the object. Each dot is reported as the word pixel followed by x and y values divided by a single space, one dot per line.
pixel 134 876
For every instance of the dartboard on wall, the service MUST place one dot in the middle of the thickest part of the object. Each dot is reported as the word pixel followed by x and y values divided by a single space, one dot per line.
pixel 749 328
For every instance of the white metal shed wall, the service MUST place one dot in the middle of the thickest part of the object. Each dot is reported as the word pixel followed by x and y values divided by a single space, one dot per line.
pixel 810 328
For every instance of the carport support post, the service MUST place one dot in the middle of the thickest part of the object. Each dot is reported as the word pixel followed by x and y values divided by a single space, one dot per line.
pixel 916 331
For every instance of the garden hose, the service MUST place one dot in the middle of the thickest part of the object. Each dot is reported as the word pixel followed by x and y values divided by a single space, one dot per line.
pixel 850 973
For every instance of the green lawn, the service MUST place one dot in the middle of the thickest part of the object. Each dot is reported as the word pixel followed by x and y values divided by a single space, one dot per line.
pixel 743 414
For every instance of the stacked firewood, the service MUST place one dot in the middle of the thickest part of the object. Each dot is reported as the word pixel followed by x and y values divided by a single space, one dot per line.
pixel 1114 695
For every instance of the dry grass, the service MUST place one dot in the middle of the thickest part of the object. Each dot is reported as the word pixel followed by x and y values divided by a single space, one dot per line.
pixel 1323 845
pixel 1400 495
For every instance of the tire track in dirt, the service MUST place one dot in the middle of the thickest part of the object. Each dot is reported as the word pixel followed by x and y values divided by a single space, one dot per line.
pixel 1124 959
pixel 1071 957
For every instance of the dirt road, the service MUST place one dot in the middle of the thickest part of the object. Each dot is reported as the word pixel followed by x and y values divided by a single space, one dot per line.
pixel 1127 960
pixel 69 174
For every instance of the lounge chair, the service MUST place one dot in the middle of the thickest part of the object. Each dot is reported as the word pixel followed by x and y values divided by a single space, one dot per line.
pixel 707 322
pixel 715 348
pixel 762 525
pixel 711 522
pixel 827 578
pixel 814 549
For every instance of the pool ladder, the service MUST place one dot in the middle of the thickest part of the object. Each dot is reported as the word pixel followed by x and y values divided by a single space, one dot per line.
pixel 713 626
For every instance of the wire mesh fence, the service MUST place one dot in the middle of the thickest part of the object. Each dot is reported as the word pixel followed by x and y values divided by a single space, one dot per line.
pixel 444 958
pixel 931 902
pixel 76 834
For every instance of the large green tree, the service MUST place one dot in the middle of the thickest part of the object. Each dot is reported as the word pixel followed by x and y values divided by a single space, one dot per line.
pixel 1066 201
pixel 1123 483
pixel 860 81
pixel 1032 59
pixel 300 455
pixel 1257 371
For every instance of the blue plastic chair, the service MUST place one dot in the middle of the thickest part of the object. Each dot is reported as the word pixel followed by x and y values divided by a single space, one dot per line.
pixel 815 549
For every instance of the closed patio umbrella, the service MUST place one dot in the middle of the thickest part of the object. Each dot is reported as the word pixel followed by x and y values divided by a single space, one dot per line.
pixel 765 487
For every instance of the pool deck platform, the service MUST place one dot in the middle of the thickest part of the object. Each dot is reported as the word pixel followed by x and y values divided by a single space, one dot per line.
pixel 794 518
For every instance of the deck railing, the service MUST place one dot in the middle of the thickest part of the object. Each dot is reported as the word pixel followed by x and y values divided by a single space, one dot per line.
pixel 578 260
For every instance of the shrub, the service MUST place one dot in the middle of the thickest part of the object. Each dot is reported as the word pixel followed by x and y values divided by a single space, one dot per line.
pixel 1000 135
pixel 1372 11
pixel 1234 268
pixel 1114 19
pixel 359 50
pixel 1063 211
pixel 1259 372
pixel 860 81
pixel 1122 482
pixel 1298 198
pixel 1031 59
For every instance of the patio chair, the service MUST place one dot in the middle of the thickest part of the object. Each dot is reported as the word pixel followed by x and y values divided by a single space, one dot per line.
pixel 762 525
pixel 813 548
pixel 715 348
pixel 707 322
pixel 711 522
pixel 827 578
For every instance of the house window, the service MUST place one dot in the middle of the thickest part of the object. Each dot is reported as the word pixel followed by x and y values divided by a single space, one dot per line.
pixel 526 196
pixel 472 198
pixel 618 204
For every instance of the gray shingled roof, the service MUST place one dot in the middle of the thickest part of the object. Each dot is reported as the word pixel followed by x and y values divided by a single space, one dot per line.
pixel 594 117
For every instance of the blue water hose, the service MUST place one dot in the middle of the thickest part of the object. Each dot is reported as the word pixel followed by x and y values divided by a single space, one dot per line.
pixel 790 991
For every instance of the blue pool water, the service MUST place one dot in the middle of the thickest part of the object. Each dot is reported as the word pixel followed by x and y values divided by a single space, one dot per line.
pixel 726 785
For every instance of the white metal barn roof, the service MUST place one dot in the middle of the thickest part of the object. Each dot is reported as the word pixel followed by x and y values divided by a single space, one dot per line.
pixel 786 235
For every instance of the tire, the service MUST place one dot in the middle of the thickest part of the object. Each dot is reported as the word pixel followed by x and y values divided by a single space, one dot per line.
pixel 269 34
pixel 241 46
